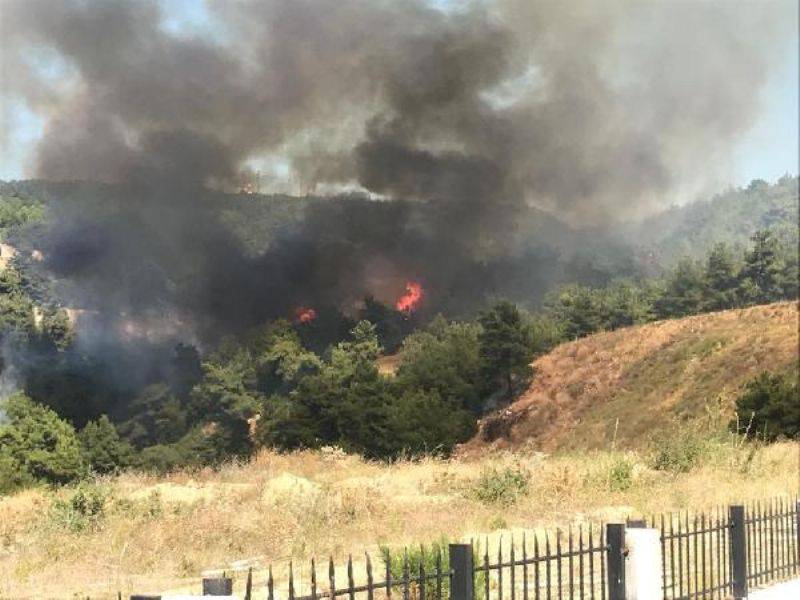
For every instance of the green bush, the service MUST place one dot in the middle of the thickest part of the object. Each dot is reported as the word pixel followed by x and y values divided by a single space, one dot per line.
pixel 428 557
pixel 82 509
pixel 500 486
pixel 425 556
pixel 620 476
pixel 768 408
pixel 160 458
pixel 678 451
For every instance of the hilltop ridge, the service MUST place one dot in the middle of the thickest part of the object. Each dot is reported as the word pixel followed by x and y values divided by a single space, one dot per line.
pixel 621 387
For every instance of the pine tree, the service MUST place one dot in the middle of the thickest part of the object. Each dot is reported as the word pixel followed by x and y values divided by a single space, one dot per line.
pixel 105 451
pixel 505 347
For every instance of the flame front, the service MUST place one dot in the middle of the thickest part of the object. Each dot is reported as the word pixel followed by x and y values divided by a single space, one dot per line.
pixel 305 314
pixel 409 301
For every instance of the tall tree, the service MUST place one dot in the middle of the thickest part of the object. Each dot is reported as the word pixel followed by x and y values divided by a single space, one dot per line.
pixel 761 277
pixel 721 280
pixel 505 347
pixel 37 446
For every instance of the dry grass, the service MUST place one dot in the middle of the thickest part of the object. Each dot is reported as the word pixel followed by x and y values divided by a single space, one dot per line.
pixel 160 534
pixel 624 386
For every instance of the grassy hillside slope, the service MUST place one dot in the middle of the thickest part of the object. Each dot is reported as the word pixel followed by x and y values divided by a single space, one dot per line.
pixel 622 387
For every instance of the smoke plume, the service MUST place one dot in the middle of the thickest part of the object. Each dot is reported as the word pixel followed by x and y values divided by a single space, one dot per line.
pixel 464 114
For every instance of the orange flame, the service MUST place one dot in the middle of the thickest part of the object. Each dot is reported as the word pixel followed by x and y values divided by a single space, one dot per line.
pixel 304 314
pixel 409 301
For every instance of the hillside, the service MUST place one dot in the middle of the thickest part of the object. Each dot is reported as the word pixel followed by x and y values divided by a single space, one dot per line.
pixel 624 386
pixel 730 217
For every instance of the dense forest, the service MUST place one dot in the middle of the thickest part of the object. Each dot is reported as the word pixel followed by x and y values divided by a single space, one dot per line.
pixel 72 409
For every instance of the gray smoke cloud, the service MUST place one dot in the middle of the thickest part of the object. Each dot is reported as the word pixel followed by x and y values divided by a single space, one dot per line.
pixel 580 106
pixel 592 110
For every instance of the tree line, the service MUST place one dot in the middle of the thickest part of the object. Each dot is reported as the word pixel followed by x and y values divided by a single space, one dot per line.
pixel 276 387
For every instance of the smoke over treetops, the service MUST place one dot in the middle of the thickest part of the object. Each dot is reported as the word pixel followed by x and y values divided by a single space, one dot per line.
pixel 463 116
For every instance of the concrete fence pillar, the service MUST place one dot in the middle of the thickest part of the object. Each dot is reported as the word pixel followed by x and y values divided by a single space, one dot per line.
pixel 643 573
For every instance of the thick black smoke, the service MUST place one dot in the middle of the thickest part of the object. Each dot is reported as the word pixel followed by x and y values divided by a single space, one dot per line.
pixel 592 110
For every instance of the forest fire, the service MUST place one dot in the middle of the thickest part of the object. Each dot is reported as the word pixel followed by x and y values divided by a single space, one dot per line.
pixel 409 301
pixel 304 314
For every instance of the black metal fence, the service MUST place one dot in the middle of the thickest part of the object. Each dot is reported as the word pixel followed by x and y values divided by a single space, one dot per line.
pixel 773 541
pixel 695 555
pixel 573 565
pixel 716 554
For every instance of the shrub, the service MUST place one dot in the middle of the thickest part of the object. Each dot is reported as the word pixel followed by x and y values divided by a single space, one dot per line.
pixel 500 486
pixel 413 558
pixel 677 451
pixel 160 458
pixel 82 509
pixel 428 558
pixel 620 476
pixel 768 408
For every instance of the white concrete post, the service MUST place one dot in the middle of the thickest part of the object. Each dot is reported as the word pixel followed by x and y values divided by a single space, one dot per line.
pixel 643 564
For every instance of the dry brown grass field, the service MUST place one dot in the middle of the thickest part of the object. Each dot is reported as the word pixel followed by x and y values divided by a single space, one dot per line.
pixel 161 533
pixel 147 533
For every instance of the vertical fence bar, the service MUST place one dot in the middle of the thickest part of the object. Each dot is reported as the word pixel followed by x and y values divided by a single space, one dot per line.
pixel 421 594
pixel 351 584
pixel 547 563
pixel 581 575
pixel 796 535
pixel 537 591
pixel 486 569
pixel 696 557
pixel 406 580
pixel 512 577
pixel 603 551
pixel 313 579
pixel 671 554
pixel 388 576
pixel 525 568
pixel 558 564
pixel 591 562
pixel 663 556
pixel 332 577
pixel 500 569
pixel 703 553
pixel 615 536
pixel 738 551
pixel 571 565
pixel 370 577
pixel 719 580
pixel 438 574
pixel 270 585
pixel 461 565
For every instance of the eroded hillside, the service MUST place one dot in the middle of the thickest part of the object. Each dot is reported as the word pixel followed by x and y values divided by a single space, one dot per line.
pixel 621 387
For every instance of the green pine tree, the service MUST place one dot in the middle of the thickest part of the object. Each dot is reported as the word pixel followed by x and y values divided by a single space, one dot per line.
pixel 505 348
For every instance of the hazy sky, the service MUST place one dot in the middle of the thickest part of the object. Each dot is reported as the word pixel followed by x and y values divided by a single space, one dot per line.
pixel 768 150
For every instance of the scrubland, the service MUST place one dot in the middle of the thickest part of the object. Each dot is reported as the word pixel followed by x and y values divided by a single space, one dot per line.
pixel 145 533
